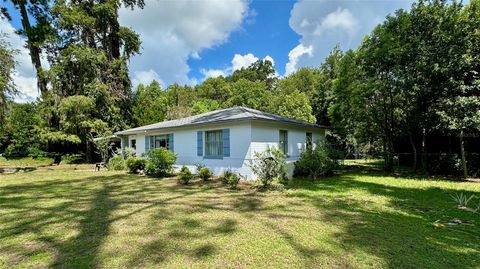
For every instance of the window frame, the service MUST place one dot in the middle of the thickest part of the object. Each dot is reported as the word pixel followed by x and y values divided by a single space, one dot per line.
pixel 283 144
pixel 133 143
pixel 206 144
pixel 308 140
pixel 160 138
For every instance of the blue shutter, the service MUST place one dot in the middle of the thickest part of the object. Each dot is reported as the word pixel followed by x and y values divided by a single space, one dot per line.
pixel 199 143
pixel 147 143
pixel 170 142
pixel 226 142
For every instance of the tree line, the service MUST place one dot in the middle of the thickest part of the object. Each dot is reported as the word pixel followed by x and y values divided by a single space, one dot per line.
pixel 411 86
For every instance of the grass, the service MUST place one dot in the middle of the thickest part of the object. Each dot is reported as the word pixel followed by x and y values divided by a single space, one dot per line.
pixel 25 162
pixel 58 217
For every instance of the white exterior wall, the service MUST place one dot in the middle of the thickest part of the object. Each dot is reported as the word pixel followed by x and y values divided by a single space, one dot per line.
pixel 265 134
pixel 245 139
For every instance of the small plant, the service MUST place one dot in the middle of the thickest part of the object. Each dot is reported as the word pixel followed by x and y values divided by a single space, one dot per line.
pixel 204 173
pixel 185 175
pixel 226 176
pixel 268 165
pixel 462 199
pixel 135 165
pixel 159 162
pixel 116 163
pixel 230 178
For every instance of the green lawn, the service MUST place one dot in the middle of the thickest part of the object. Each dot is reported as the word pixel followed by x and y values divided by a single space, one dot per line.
pixel 57 217
pixel 25 162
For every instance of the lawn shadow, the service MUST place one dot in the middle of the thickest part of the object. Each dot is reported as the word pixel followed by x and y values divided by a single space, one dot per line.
pixel 403 234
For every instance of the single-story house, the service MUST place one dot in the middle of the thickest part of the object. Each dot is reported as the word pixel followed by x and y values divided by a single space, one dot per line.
pixel 224 139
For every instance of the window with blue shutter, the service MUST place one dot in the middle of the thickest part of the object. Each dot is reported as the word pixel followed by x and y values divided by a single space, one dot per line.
pixel 199 143
pixel 147 143
pixel 170 142
pixel 226 142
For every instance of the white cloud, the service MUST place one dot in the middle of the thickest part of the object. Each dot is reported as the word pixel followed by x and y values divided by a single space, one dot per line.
pixel 342 19
pixel 145 78
pixel 238 62
pixel 241 61
pixel 213 73
pixel 174 31
pixel 24 75
pixel 293 56
pixel 323 24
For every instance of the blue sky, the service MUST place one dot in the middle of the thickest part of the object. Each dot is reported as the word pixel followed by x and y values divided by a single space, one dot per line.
pixel 187 41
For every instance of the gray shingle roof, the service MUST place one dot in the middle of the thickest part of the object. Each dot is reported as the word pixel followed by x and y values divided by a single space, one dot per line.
pixel 237 113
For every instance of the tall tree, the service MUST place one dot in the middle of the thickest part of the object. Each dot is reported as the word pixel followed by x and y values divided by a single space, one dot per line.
pixel 7 87
pixel 36 34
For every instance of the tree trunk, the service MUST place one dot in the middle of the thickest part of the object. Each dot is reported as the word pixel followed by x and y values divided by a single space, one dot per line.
pixel 462 152
pixel 414 151
pixel 424 151
pixel 34 50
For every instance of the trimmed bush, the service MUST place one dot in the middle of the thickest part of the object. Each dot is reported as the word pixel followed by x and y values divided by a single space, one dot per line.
pixel 321 161
pixel 160 162
pixel 185 175
pixel 205 174
pixel 116 163
pixel 268 165
pixel 135 165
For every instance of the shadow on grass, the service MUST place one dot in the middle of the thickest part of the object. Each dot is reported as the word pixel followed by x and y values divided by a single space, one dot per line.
pixel 400 234
pixel 404 237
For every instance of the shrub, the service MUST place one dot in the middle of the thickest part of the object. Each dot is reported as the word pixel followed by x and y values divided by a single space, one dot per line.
pixel 135 165
pixel 318 162
pixel 185 175
pixel 268 165
pixel 72 159
pixel 233 180
pixel 205 174
pixel 116 163
pixel 226 176
pixel 230 178
pixel 36 153
pixel 130 152
pixel 159 162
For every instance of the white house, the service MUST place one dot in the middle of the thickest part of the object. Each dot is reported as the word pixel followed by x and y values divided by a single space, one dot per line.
pixel 224 139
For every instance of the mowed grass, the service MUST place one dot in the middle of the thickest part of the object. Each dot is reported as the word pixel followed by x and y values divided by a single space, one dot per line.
pixel 25 162
pixel 62 218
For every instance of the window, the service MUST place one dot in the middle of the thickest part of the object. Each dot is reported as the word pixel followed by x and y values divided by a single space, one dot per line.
pixel 309 140
pixel 283 142
pixel 159 141
pixel 133 144
pixel 214 143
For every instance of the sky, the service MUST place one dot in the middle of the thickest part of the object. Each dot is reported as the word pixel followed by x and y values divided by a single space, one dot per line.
pixel 187 41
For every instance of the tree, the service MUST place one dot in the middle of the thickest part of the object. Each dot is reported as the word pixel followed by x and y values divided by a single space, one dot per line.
pixel 36 35
pixel 261 70
pixel 295 105
pixel 252 94
pixel 204 105
pixel 7 87
pixel 150 104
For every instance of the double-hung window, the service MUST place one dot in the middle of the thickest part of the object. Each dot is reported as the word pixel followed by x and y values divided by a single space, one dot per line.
pixel 214 143
pixel 283 141
pixel 159 141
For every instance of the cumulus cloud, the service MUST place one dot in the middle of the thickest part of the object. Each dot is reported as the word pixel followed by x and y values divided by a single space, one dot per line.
pixel 293 56
pixel 324 24
pixel 174 31
pixel 238 62
pixel 24 75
